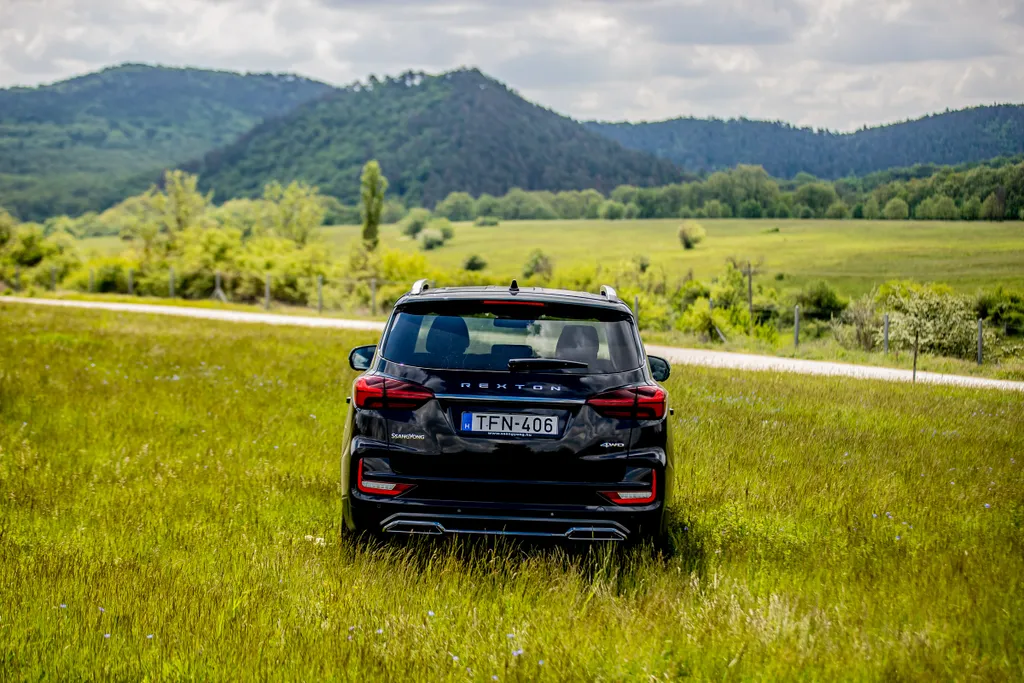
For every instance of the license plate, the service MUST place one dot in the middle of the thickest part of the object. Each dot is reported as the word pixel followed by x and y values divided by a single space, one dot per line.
pixel 511 424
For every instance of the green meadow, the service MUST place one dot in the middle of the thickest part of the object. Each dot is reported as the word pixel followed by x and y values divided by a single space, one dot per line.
pixel 171 511
pixel 853 256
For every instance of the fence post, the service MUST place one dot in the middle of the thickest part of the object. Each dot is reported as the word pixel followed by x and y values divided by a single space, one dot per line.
pixel 319 293
pixel 131 281
pixel 917 334
pixel 53 278
pixel 885 334
pixel 17 278
pixel 218 290
pixel 636 308
pixel 170 283
pixel 373 296
pixel 266 294
pixel 980 341
pixel 796 326
pixel 750 295
pixel 91 280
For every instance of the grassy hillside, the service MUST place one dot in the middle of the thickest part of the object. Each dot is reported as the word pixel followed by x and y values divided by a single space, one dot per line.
pixel 78 143
pixel 171 510
pixel 852 255
pixel 459 131
pixel 951 138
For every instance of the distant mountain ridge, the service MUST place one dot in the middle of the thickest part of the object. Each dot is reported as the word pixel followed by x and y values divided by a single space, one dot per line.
pixel 62 144
pixel 459 131
pixel 85 143
pixel 948 138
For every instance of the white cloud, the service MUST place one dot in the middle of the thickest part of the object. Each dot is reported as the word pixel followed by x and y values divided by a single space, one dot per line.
pixel 826 63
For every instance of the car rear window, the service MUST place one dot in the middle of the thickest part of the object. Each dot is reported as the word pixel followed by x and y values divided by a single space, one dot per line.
pixel 480 335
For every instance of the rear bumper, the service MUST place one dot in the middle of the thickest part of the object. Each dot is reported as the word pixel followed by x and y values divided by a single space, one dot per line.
pixel 438 518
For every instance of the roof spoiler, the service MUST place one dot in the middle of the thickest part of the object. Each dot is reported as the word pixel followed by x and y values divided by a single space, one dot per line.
pixel 608 292
pixel 420 286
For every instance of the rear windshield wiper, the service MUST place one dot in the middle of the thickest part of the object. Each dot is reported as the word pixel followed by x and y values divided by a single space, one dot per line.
pixel 526 364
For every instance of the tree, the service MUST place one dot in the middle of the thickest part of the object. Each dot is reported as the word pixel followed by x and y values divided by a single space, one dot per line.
pixel 457 206
pixel 7 225
pixel 691 234
pixel 415 221
pixel 937 208
pixel 539 264
pixel 896 210
pixel 837 210
pixel 871 209
pixel 750 208
pixel 715 209
pixel 474 262
pixel 971 210
pixel 612 210
pixel 818 196
pixel 373 186
pixel 993 208
pixel 295 212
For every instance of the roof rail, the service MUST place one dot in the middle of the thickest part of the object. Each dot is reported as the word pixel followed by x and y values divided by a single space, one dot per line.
pixel 420 286
pixel 609 292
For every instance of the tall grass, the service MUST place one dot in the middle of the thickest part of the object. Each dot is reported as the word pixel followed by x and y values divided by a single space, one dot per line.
pixel 170 510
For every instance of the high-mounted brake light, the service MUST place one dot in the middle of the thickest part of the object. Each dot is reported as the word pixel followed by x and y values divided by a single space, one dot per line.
pixel 634 497
pixel 376 393
pixel 515 303
pixel 381 488
pixel 644 402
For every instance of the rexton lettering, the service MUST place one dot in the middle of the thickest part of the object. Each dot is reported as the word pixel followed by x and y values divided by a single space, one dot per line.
pixel 534 387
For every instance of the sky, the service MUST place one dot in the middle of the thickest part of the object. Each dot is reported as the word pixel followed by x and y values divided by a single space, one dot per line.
pixel 837 64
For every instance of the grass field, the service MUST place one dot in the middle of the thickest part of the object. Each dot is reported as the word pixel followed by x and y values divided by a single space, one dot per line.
pixel 166 488
pixel 852 255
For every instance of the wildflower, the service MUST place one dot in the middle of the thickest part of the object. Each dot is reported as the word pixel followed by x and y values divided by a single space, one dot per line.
pixel 874 514
pixel 430 613
pixel 508 635
pixel 541 662
pixel 63 606
pixel 319 541
pixel 149 637
pixel 350 636
pixel 312 416
pixel 102 610
pixel 351 628
pixel 455 658
pixel 897 538
pixel 987 506
pixel 380 631
pixel 516 653
pixel 106 635
pixel 494 678
pixel 309 537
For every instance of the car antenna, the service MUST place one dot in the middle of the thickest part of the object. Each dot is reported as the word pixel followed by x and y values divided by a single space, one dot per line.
pixel 514 287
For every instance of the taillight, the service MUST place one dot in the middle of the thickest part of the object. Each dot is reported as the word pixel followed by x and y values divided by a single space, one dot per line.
pixel 645 402
pixel 634 497
pixel 380 488
pixel 376 393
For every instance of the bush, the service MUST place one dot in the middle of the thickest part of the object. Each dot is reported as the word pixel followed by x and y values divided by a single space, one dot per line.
pixel 993 208
pixel 937 208
pixel 487 221
pixel 751 208
pixel 612 210
pixel 858 325
pixel 457 206
pixel 896 210
pixel 414 222
pixel 686 212
pixel 837 211
pixel 538 264
pixel 971 210
pixel 803 211
pixel 444 226
pixel 474 262
pixel 782 211
pixel 944 323
pixel 820 300
pixel 431 238
pixel 691 234
pixel 632 210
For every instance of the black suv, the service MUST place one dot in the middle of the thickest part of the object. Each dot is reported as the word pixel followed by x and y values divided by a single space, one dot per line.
pixel 505 411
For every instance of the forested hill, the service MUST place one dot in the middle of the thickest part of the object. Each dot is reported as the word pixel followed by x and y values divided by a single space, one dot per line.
pixel 432 135
pixel 950 138
pixel 62 144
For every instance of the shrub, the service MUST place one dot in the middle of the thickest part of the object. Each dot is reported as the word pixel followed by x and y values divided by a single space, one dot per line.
pixel 971 210
pixel 457 206
pixel 691 234
pixel 414 222
pixel 944 322
pixel 837 210
pixel 782 211
pixel 803 211
pixel 820 300
pixel 474 262
pixel 444 226
pixel 487 221
pixel 750 208
pixel 896 210
pixel 686 212
pixel 632 210
pixel 538 264
pixel 993 208
pixel 612 210
pixel 716 209
pixel 937 208
pixel 431 238
pixel 857 326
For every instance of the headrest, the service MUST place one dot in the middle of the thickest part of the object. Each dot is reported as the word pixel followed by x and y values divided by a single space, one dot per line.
pixel 578 342
pixel 448 336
